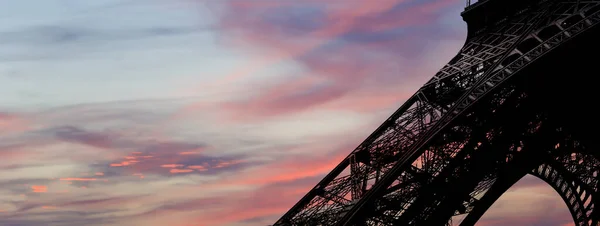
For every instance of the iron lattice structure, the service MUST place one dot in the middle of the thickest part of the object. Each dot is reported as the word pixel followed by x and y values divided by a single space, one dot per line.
pixel 512 102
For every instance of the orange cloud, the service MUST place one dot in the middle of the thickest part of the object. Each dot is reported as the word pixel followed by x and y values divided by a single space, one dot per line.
pixel 39 188
pixel 125 163
pixel 293 169
pixel 222 164
pixel 165 154
pixel 197 167
pixel 171 165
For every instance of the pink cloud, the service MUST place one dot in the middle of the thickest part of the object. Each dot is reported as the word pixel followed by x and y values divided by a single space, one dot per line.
pixel 13 123
pixel 18 151
pixel 278 185
pixel 247 23
pixel 197 167
pixel 174 171
pixel 189 153
pixel 267 201
pixel 529 202
pixel 355 76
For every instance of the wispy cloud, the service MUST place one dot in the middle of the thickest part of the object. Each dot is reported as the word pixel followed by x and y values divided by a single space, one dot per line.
pixel 203 112
pixel 364 56
pixel 113 169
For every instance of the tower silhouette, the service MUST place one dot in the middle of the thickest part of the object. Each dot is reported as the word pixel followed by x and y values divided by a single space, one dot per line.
pixel 519 98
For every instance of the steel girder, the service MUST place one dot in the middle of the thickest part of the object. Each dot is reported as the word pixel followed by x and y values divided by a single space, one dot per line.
pixel 430 139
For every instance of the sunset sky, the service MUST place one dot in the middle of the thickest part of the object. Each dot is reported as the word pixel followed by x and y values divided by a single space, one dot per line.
pixel 209 112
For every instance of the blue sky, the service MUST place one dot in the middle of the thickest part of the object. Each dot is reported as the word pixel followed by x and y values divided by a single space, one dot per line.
pixel 70 52
pixel 210 112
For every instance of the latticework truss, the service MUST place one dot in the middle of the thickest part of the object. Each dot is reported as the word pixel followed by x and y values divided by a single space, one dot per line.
pixel 478 126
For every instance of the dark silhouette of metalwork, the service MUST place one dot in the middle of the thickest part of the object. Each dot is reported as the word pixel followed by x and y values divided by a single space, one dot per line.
pixel 519 98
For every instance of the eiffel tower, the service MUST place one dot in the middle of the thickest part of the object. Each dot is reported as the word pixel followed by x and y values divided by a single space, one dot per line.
pixel 516 100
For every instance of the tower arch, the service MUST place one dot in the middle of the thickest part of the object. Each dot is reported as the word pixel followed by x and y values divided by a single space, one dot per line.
pixel 573 176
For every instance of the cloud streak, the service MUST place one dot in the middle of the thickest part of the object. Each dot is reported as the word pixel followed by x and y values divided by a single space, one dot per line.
pixel 315 78
pixel 343 67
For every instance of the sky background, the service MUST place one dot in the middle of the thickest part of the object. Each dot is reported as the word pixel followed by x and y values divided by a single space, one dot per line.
pixel 209 113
